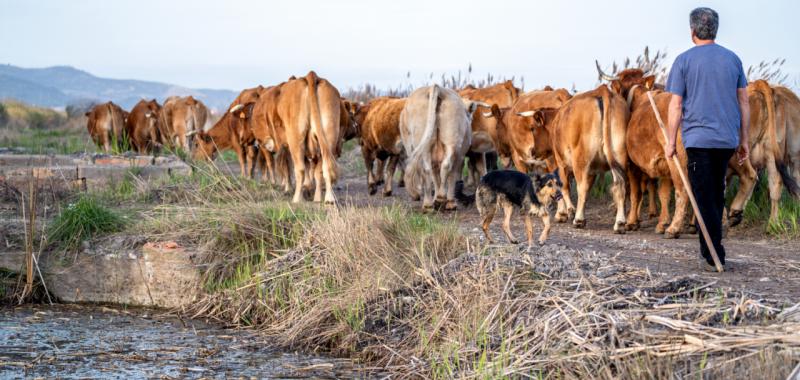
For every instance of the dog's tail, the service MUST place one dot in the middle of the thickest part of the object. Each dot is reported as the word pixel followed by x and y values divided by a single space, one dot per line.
pixel 464 199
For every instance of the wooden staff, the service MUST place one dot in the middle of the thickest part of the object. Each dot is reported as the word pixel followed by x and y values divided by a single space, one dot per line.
pixel 688 188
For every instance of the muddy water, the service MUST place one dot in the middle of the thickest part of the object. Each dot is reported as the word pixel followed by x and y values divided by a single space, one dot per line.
pixel 66 341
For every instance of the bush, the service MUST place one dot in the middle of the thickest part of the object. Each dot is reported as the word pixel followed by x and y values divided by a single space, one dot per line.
pixel 82 220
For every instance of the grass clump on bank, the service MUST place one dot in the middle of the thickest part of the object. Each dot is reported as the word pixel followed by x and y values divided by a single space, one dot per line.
pixel 81 220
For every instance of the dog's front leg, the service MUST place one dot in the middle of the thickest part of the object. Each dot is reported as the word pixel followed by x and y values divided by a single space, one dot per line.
pixel 529 229
pixel 508 209
pixel 546 229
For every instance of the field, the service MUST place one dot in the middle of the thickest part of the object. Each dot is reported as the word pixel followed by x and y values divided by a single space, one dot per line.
pixel 421 295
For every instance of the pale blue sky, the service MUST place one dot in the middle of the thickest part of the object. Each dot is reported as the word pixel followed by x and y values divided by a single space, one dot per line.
pixel 236 44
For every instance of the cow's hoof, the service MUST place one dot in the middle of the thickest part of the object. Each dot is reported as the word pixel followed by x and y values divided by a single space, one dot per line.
pixel 660 228
pixel 619 227
pixel 401 183
pixel 735 217
pixel 579 223
pixel 387 193
pixel 428 208
pixel 415 198
pixel 671 234
pixel 691 230
pixel 632 226
pixel 514 241
pixel 380 182
pixel 450 206
pixel 561 218
pixel 372 189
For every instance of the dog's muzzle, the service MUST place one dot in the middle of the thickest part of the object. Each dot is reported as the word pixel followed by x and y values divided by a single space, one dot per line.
pixel 557 196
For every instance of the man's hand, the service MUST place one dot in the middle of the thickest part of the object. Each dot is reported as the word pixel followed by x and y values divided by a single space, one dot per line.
pixel 743 151
pixel 669 150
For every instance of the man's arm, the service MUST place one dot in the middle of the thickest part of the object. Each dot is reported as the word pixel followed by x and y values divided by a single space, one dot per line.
pixel 744 128
pixel 673 123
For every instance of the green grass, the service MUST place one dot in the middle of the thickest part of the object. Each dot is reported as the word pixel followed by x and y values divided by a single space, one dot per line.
pixel 79 221
pixel 55 141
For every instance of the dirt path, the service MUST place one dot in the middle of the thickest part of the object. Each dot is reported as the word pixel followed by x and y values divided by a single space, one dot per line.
pixel 764 266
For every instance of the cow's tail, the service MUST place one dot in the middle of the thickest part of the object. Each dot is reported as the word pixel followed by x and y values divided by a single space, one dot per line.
pixel 316 125
pixel 464 199
pixel 420 159
pixel 603 103
pixel 788 180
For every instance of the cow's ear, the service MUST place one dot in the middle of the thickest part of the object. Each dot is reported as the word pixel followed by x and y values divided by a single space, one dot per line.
pixel 509 84
pixel 538 118
pixel 616 86
pixel 496 111
pixel 87 114
pixel 649 82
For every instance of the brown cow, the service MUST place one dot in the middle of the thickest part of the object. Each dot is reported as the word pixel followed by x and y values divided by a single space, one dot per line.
pixel 379 122
pixel 645 145
pixel 106 123
pixel 522 135
pixel 588 137
pixel 483 125
pixel 771 148
pixel 227 134
pixel 142 126
pixel 180 119
pixel 622 83
pixel 787 115
pixel 308 109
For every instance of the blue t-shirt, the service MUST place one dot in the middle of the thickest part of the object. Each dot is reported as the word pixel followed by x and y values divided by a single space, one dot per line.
pixel 707 77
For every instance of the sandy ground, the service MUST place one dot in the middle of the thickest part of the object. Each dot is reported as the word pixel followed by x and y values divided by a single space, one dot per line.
pixel 756 263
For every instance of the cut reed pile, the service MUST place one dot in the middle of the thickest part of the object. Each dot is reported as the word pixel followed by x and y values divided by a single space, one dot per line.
pixel 411 295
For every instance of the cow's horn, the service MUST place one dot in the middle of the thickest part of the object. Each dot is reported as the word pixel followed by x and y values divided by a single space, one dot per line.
pixel 482 104
pixel 148 115
pixel 236 108
pixel 603 75
pixel 487 114
pixel 526 113
pixel 190 133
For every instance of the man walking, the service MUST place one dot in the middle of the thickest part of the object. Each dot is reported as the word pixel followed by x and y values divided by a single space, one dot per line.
pixel 709 103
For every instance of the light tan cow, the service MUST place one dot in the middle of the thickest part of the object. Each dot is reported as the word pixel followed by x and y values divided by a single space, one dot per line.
pixel 308 108
pixel 142 126
pixel 435 130
pixel 106 123
pixel 771 148
pixel 379 124
pixel 484 125
pixel 182 117
pixel 588 138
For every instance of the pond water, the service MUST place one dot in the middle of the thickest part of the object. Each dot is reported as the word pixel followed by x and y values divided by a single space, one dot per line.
pixel 71 341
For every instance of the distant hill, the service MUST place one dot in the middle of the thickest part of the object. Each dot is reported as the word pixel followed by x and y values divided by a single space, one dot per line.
pixel 59 86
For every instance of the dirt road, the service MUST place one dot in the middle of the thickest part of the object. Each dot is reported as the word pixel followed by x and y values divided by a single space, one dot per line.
pixel 756 263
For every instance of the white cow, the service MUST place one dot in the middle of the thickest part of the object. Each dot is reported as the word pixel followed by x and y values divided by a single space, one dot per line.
pixel 435 130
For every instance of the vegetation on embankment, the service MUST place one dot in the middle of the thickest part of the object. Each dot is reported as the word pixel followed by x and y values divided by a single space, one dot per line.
pixel 43 130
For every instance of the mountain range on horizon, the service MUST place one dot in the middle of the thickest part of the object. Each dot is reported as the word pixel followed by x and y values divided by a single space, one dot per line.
pixel 60 86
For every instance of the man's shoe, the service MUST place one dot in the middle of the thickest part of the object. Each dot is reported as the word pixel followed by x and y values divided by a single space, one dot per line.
pixel 706 267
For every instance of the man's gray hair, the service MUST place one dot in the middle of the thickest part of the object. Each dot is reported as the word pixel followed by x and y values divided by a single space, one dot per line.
pixel 704 23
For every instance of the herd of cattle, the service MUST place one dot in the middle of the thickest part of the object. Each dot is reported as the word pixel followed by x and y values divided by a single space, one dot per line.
pixel 294 131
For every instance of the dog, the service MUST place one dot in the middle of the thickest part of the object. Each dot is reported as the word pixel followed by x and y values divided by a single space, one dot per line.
pixel 509 189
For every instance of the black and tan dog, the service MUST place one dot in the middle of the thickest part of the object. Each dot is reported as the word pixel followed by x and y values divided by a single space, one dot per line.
pixel 510 189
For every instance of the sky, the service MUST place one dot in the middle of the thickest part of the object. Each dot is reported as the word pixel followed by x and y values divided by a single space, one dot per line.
pixel 236 44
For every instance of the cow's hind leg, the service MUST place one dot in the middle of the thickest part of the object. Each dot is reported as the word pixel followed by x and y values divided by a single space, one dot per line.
pixel 774 181
pixel 635 195
pixel 747 182
pixel 565 207
pixel 390 170
pixel 651 198
pixel 664 196
pixel 584 181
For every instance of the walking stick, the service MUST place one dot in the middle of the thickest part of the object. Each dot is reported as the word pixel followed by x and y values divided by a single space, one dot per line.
pixel 688 187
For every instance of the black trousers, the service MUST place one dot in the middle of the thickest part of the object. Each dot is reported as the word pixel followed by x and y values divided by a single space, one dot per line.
pixel 706 171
